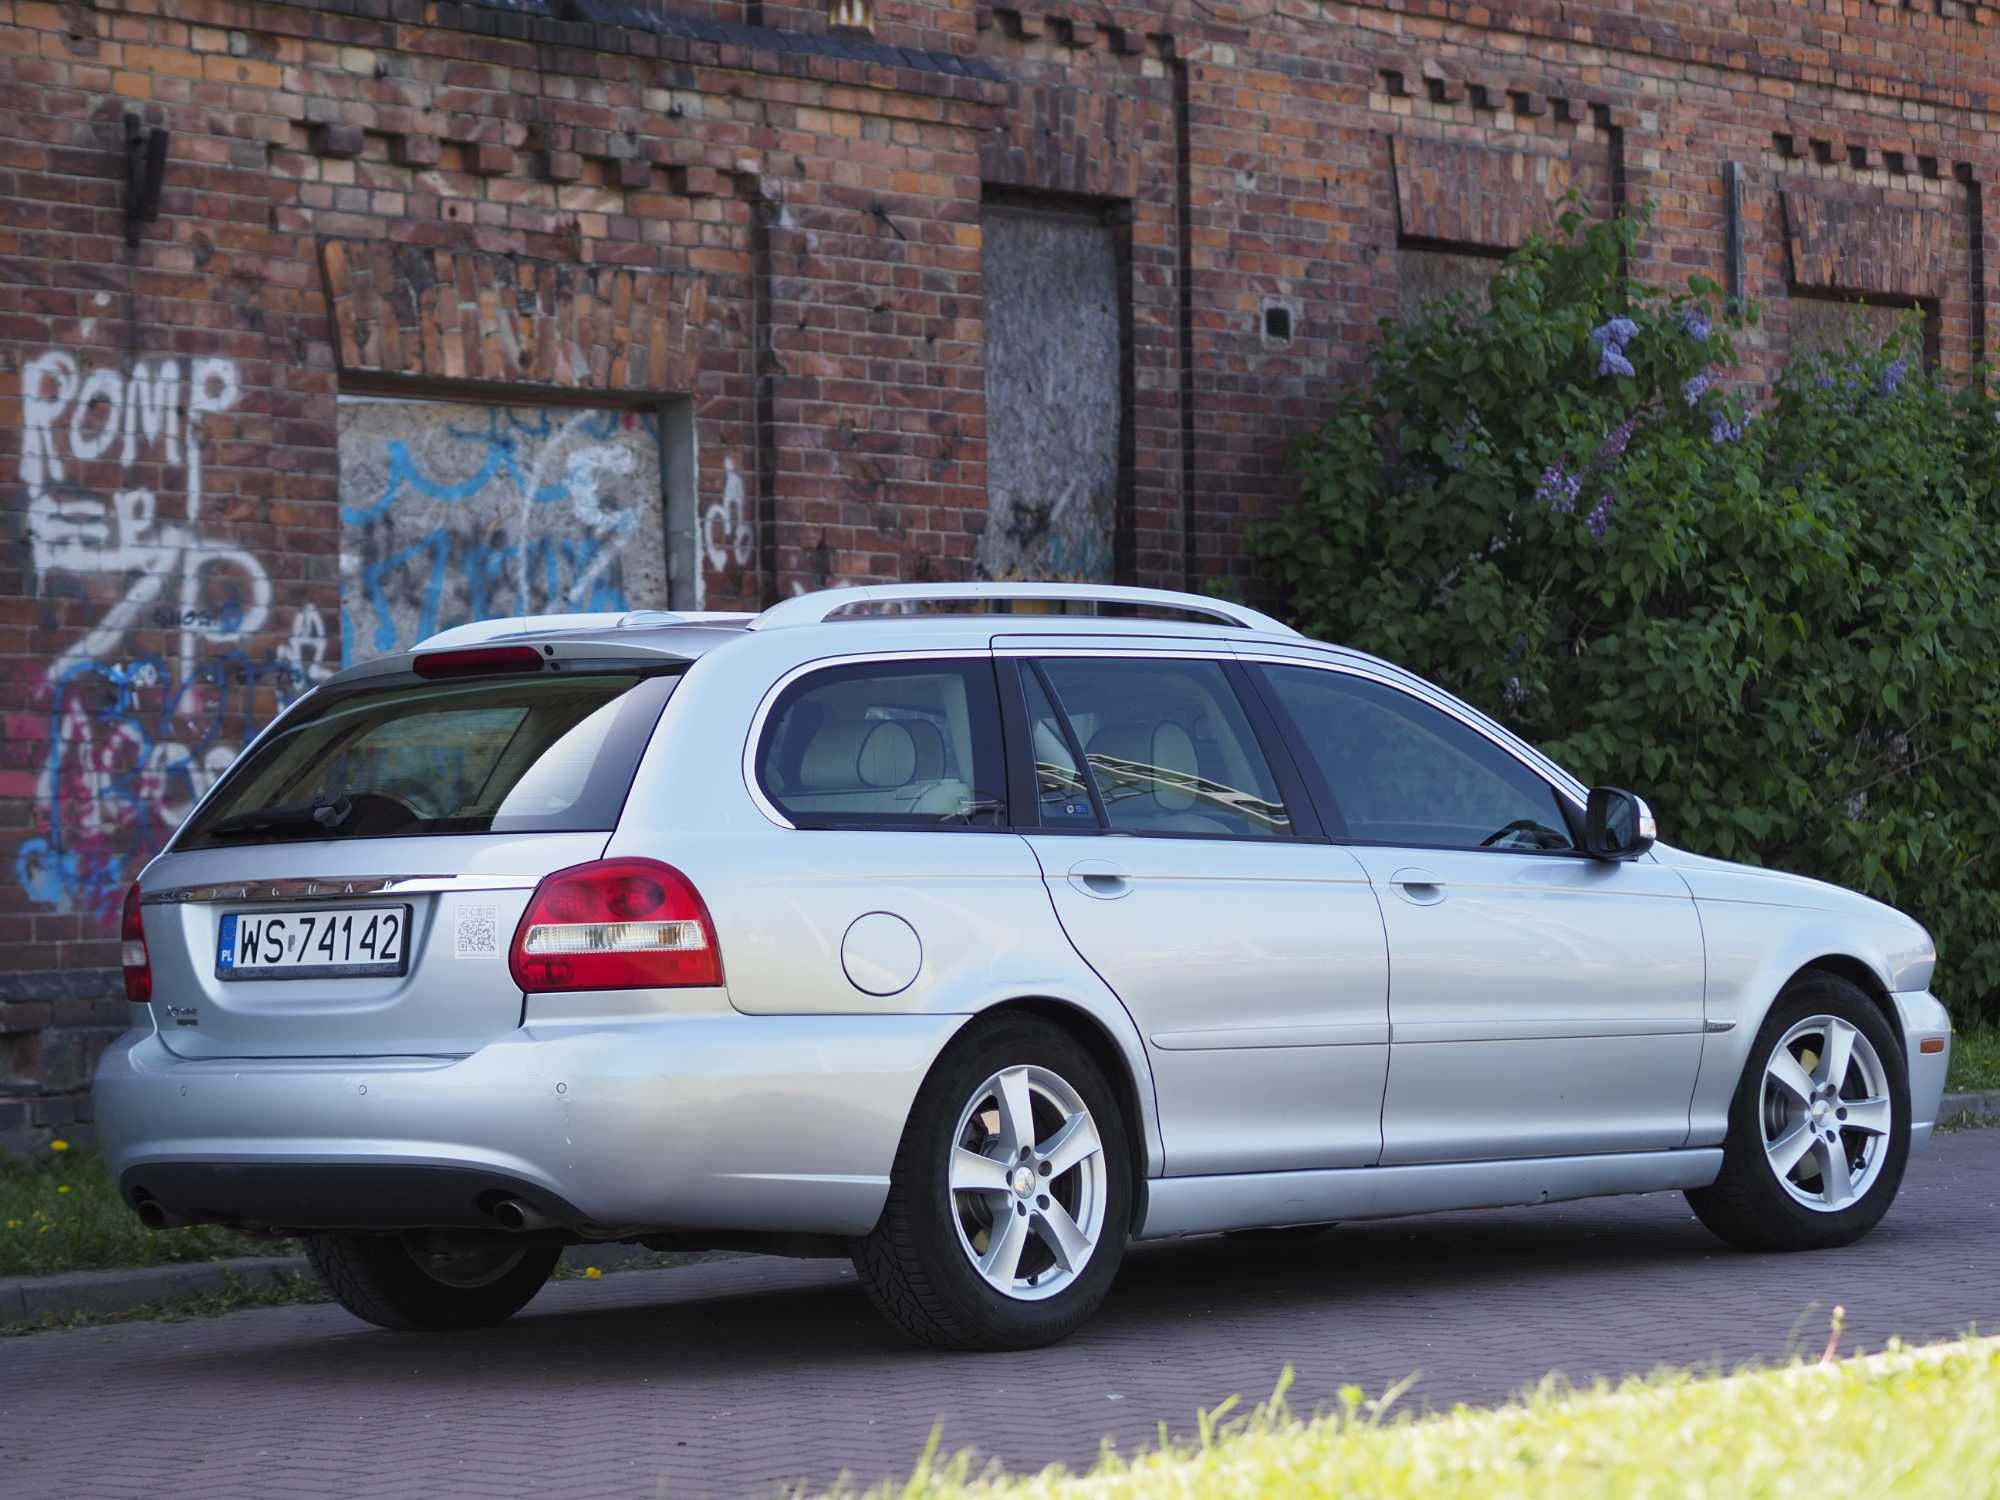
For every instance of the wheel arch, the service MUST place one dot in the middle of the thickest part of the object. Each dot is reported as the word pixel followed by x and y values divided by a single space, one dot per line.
pixel 1097 1039
pixel 1857 972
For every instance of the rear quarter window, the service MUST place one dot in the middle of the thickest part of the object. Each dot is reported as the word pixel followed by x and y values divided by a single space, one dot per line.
pixel 550 754
pixel 894 745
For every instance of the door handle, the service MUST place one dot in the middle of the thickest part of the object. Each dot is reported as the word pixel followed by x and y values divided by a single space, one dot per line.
pixel 1417 886
pixel 1100 878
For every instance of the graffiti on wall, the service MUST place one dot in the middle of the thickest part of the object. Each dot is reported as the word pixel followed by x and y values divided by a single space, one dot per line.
pixel 451 513
pixel 169 667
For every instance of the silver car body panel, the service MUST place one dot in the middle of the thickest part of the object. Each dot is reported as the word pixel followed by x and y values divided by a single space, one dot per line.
pixel 1205 1205
pixel 1300 1040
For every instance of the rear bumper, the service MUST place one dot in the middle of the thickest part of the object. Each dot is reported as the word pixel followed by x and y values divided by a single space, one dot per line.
pixel 689 1122
pixel 1924 1020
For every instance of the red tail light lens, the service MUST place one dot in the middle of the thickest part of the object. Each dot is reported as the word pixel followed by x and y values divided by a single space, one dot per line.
pixel 615 924
pixel 132 950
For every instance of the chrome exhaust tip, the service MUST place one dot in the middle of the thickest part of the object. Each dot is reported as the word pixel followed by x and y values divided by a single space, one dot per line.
pixel 516 1217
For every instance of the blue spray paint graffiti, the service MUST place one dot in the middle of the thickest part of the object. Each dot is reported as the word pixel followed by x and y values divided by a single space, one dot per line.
pixel 453 513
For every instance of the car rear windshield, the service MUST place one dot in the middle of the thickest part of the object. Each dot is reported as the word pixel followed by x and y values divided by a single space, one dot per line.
pixel 540 754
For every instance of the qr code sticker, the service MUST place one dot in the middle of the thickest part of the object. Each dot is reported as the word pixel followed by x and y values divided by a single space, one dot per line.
pixel 477 933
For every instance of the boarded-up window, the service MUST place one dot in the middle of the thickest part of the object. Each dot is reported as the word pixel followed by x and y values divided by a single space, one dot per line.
pixel 1817 325
pixel 1425 275
pixel 1055 395
pixel 454 512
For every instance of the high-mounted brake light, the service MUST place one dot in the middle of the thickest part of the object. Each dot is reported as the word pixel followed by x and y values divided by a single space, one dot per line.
pixel 477 661
pixel 132 950
pixel 615 924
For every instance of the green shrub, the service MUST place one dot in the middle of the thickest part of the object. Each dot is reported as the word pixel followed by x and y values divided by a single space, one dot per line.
pixel 1777 624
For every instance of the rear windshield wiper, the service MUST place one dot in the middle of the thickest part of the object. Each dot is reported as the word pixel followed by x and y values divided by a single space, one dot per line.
pixel 322 813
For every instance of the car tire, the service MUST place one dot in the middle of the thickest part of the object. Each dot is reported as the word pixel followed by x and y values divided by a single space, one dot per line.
pixel 1757 1203
pixel 430 1283
pixel 937 1263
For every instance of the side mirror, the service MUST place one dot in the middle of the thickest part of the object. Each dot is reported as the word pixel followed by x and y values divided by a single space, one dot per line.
pixel 1617 824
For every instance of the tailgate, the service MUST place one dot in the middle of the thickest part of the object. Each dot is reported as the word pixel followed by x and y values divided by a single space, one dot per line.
pixel 388 947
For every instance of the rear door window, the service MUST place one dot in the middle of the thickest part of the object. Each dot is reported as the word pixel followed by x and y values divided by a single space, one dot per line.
pixel 1169 747
pixel 543 754
pixel 906 744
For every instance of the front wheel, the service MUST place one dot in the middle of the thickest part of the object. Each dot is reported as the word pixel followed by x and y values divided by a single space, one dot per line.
pixel 430 1281
pixel 1819 1128
pixel 1011 1195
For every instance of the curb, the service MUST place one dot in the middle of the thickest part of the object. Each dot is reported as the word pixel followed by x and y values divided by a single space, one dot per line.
pixel 1952 1106
pixel 70 1294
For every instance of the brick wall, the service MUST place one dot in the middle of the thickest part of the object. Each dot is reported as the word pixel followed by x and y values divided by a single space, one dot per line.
pixel 748 243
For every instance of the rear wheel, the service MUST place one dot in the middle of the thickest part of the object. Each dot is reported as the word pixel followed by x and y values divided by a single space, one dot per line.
pixel 1819 1127
pixel 1011 1196
pixel 430 1280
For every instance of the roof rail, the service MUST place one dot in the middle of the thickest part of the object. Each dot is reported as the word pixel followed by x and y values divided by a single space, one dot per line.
pixel 617 619
pixel 827 604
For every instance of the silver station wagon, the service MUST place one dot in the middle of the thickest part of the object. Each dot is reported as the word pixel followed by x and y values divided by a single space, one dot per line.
pixel 972 932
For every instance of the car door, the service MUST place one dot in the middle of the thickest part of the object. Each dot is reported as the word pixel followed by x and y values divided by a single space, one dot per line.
pixel 1191 877
pixel 1543 1003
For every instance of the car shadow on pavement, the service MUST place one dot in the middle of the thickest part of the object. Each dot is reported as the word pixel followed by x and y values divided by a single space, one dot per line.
pixel 739 1317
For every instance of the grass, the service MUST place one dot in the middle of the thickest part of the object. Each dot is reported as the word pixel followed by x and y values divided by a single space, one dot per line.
pixel 1902 1423
pixel 63 1214
pixel 1975 1060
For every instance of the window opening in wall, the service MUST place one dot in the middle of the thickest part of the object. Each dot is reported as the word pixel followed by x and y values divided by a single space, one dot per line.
pixel 1428 272
pixel 1820 322
pixel 1057 389
pixel 454 511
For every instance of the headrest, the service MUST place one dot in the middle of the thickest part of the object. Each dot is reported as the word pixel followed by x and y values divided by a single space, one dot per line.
pixel 844 755
pixel 1164 747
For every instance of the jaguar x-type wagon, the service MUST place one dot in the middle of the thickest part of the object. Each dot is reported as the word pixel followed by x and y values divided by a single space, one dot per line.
pixel 972 932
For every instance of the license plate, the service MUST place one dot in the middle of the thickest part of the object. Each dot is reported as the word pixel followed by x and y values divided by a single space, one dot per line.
pixel 335 942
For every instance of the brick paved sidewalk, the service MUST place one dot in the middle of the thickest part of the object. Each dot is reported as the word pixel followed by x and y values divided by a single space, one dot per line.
pixel 734 1377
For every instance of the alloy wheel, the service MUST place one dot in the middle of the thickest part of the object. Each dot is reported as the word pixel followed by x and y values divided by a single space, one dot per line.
pixel 1027 1182
pixel 1826 1113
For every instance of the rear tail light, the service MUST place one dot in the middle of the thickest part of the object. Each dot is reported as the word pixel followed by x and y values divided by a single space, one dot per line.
pixel 132 950
pixel 615 924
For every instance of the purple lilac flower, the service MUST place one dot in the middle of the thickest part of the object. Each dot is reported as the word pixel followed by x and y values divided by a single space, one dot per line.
pixel 1515 693
pixel 1615 444
pixel 1695 323
pixel 1722 430
pixel 1611 338
pixel 1892 375
pixel 1559 489
pixel 1694 386
pixel 1599 519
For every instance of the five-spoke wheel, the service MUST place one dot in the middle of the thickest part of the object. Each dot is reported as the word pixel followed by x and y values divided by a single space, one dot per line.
pixel 1826 1113
pixel 1011 1196
pixel 1818 1129
pixel 1027 1182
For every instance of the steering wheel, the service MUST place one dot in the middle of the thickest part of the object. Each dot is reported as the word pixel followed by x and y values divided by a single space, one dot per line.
pixel 1519 825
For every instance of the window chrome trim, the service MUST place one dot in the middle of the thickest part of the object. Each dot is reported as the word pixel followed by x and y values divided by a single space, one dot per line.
pixel 1563 784
pixel 332 888
pixel 754 783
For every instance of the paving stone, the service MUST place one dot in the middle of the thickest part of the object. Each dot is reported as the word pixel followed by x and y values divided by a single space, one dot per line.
pixel 735 1377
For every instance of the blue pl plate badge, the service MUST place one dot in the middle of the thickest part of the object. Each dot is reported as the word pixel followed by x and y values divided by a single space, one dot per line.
pixel 225 954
